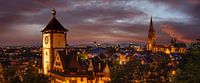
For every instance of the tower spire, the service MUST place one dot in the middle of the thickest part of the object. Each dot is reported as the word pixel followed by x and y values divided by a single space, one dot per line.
pixel 151 25
pixel 106 72
pixel 151 37
pixel 90 68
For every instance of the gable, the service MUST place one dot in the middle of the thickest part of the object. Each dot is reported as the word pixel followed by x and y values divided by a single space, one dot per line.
pixel 58 66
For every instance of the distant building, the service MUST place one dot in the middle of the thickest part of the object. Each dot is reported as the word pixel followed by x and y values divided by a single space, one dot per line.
pixel 62 65
pixel 122 59
pixel 173 47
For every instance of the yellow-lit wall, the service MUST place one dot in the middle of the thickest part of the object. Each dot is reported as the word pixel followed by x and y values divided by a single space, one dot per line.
pixel 46 53
pixel 46 60
pixel 73 80
pixel 59 40
pixel 149 46
pixel 58 61
pixel 171 50
pixel 79 80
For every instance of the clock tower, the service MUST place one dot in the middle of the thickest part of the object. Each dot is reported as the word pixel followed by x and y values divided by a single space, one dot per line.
pixel 53 40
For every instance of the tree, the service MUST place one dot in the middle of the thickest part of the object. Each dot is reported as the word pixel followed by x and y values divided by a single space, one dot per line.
pixel 10 74
pixel 24 74
pixel 189 67
pixel 125 73
pixel 32 75
pixel 156 69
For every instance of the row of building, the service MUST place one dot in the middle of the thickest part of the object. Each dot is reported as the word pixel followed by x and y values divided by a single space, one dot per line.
pixel 66 66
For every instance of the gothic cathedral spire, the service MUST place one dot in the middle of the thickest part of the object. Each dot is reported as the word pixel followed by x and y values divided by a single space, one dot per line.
pixel 151 37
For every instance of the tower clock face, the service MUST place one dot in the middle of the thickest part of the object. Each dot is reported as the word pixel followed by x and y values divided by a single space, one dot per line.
pixel 46 40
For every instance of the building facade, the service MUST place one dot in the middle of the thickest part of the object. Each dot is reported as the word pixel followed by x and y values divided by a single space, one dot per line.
pixel 62 65
pixel 173 47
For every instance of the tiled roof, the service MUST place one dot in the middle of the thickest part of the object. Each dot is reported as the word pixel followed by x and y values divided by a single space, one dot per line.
pixel 70 62
pixel 54 26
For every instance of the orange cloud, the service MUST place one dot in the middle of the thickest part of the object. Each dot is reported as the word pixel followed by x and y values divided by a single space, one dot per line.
pixel 172 32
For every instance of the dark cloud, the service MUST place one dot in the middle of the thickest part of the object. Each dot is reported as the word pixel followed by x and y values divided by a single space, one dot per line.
pixel 183 32
pixel 100 20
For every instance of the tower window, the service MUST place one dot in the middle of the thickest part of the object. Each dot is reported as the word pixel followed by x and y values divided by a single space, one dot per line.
pixel 57 63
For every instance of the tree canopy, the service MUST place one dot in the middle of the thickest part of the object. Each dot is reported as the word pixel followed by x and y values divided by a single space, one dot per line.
pixel 189 68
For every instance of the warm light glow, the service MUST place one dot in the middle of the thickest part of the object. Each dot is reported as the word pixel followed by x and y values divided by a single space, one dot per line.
pixel 137 81
pixel 106 78
pixel 122 59
pixel 142 62
pixel 46 61
pixel 173 72
pixel 167 51
pixel 46 44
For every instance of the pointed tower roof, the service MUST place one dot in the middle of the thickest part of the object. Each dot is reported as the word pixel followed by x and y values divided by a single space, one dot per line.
pixel 151 25
pixel 90 68
pixel 151 37
pixel 54 25
pixel 73 64
pixel 106 69
pixel 106 72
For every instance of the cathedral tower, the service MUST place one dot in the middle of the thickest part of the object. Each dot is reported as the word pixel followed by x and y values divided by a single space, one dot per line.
pixel 53 40
pixel 151 37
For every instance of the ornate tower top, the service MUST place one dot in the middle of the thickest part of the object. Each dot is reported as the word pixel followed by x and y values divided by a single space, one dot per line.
pixel 54 25
pixel 90 68
pixel 53 12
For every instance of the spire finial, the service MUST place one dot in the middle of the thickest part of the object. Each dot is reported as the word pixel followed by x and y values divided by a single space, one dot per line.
pixel 151 24
pixel 53 12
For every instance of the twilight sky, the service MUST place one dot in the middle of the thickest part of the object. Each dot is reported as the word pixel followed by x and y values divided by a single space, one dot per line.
pixel 105 21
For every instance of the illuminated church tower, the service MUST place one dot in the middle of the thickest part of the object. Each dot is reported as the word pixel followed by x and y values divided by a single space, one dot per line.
pixel 151 37
pixel 53 40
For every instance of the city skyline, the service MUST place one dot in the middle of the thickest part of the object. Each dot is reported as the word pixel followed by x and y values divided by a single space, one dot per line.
pixel 105 21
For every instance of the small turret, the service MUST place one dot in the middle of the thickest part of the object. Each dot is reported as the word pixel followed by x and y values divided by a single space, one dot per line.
pixel 106 72
pixel 106 69
pixel 90 68
pixel 173 40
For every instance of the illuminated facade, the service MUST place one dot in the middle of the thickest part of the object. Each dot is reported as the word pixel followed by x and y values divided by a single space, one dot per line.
pixel 122 59
pixel 1 73
pixel 65 66
pixel 173 47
